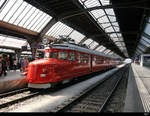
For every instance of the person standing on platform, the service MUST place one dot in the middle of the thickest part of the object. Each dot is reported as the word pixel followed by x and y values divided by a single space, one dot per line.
pixel 0 64
pixel 26 63
pixel 15 64
pixel 7 63
pixel 22 65
pixel 3 66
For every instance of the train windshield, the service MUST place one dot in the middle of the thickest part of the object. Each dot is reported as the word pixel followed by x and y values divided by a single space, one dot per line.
pixel 46 55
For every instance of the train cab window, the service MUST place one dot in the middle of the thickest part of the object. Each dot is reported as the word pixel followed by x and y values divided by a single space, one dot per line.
pixel 62 55
pixel 46 55
pixel 53 55
pixel 72 56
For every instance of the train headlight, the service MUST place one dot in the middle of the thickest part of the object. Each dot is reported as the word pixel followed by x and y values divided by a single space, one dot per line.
pixel 44 71
pixel 42 75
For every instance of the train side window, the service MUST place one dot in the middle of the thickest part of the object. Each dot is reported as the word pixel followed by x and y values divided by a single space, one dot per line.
pixel 86 58
pixel 95 59
pixel 80 57
pixel 62 55
pixel 53 55
pixel 72 56
pixel 101 60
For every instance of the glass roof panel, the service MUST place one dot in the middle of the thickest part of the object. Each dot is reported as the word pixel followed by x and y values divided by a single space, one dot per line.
pixel 87 42
pixel 102 49
pixel 117 29
pixel 98 13
pixel 11 41
pixel 144 43
pixel 105 2
pixel 93 45
pixel 147 29
pixel 115 24
pixel 106 25
pixel 103 19
pixel 103 16
pixel 146 39
pixel 20 13
pixel 59 29
pixel 112 18
pixel 91 3
pixel 113 35
pixel 1 3
pixel 110 29
pixel 77 36
pixel 106 51
pixel 110 11
pixel 99 47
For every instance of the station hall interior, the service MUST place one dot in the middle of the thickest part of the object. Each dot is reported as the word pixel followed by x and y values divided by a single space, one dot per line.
pixel 95 39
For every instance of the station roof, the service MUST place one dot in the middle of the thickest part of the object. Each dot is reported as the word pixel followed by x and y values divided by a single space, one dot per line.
pixel 108 26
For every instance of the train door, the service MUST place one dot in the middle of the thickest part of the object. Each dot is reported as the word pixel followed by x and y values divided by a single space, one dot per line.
pixel 91 60
pixel 72 64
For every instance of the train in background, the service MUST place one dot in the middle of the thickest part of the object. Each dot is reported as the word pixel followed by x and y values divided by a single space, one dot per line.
pixel 64 62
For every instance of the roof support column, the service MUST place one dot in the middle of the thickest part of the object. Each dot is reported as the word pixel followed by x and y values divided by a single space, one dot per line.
pixel 47 27
pixel 33 45
pixel 18 53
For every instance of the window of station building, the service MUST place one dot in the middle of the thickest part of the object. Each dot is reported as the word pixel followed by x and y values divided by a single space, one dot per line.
pixel 53 55
pixel 72 56
pixel 62 55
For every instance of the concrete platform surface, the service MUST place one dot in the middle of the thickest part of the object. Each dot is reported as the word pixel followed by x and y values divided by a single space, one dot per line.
pixel 133 101
pixel 142 79
pixel 13 80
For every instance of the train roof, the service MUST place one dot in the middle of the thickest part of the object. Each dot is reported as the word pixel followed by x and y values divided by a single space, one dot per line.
pixel 78 48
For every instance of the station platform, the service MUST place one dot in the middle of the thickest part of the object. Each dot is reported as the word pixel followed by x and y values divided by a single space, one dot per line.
pixel 13 80
pixel 138 97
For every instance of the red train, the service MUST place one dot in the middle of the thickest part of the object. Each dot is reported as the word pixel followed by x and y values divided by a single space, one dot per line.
pixel 63 62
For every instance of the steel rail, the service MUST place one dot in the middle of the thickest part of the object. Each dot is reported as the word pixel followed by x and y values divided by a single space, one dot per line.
pixel 10 93
pixel 85 93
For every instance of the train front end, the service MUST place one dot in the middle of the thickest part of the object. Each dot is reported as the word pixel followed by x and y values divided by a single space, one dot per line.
pixel 40 73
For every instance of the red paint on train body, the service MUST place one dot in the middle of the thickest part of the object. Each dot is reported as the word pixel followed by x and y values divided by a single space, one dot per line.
pixel 60 64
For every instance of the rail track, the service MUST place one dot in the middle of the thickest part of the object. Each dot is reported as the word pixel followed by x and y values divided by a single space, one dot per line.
pixel 17 96
pixel 95 98
pixel 8 99
pixel 14 97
